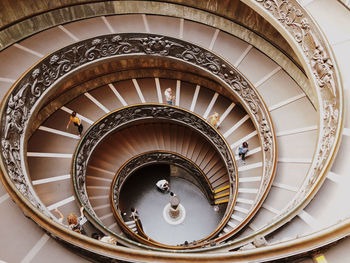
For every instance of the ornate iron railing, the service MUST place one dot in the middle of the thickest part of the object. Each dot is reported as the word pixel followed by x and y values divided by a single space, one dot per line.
pixel 313 50
pixel 118 119
pixel 17 181
pixel 29 93
pixel 149 158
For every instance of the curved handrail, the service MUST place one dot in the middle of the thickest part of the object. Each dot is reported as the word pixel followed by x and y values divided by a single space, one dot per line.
pixel 340 113
pixel 298 27
pixel 140 229
pixel 29 92
pixel 117 119
pixel 148 158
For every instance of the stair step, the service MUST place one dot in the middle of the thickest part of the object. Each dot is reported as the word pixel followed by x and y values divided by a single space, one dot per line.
pixel 221 195
pixel 128 223
pixel 221 189
pixel 221 201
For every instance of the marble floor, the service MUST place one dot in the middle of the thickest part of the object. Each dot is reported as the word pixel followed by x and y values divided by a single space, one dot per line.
pixel 140 192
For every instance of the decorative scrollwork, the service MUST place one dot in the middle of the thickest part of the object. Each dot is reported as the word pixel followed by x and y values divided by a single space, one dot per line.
pixel 291 16
pixel 157 45
pixel 29 90
pixel 266 135
pixel 119 118
pixel 27 93
pixel 204 59
pixel 330 119
pixel 323 69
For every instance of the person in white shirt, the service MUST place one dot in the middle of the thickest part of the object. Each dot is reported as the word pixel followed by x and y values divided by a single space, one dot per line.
pixel 105 239
pixel 109 240
pixel 242 151
pixel 169 96
pixel 163 185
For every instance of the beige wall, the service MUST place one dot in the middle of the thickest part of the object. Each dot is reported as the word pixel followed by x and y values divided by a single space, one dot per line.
pixel 21 18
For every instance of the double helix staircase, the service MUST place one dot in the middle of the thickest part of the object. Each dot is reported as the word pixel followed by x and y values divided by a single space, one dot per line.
pixel 51 147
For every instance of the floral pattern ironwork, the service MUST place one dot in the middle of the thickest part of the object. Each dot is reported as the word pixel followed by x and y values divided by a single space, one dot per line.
pixel 119 118
pixel 30 90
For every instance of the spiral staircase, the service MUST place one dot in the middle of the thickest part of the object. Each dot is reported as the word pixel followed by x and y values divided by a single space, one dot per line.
pixel 297 209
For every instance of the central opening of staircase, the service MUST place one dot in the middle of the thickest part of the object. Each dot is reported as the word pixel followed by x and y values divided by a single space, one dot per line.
pixel 140 192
